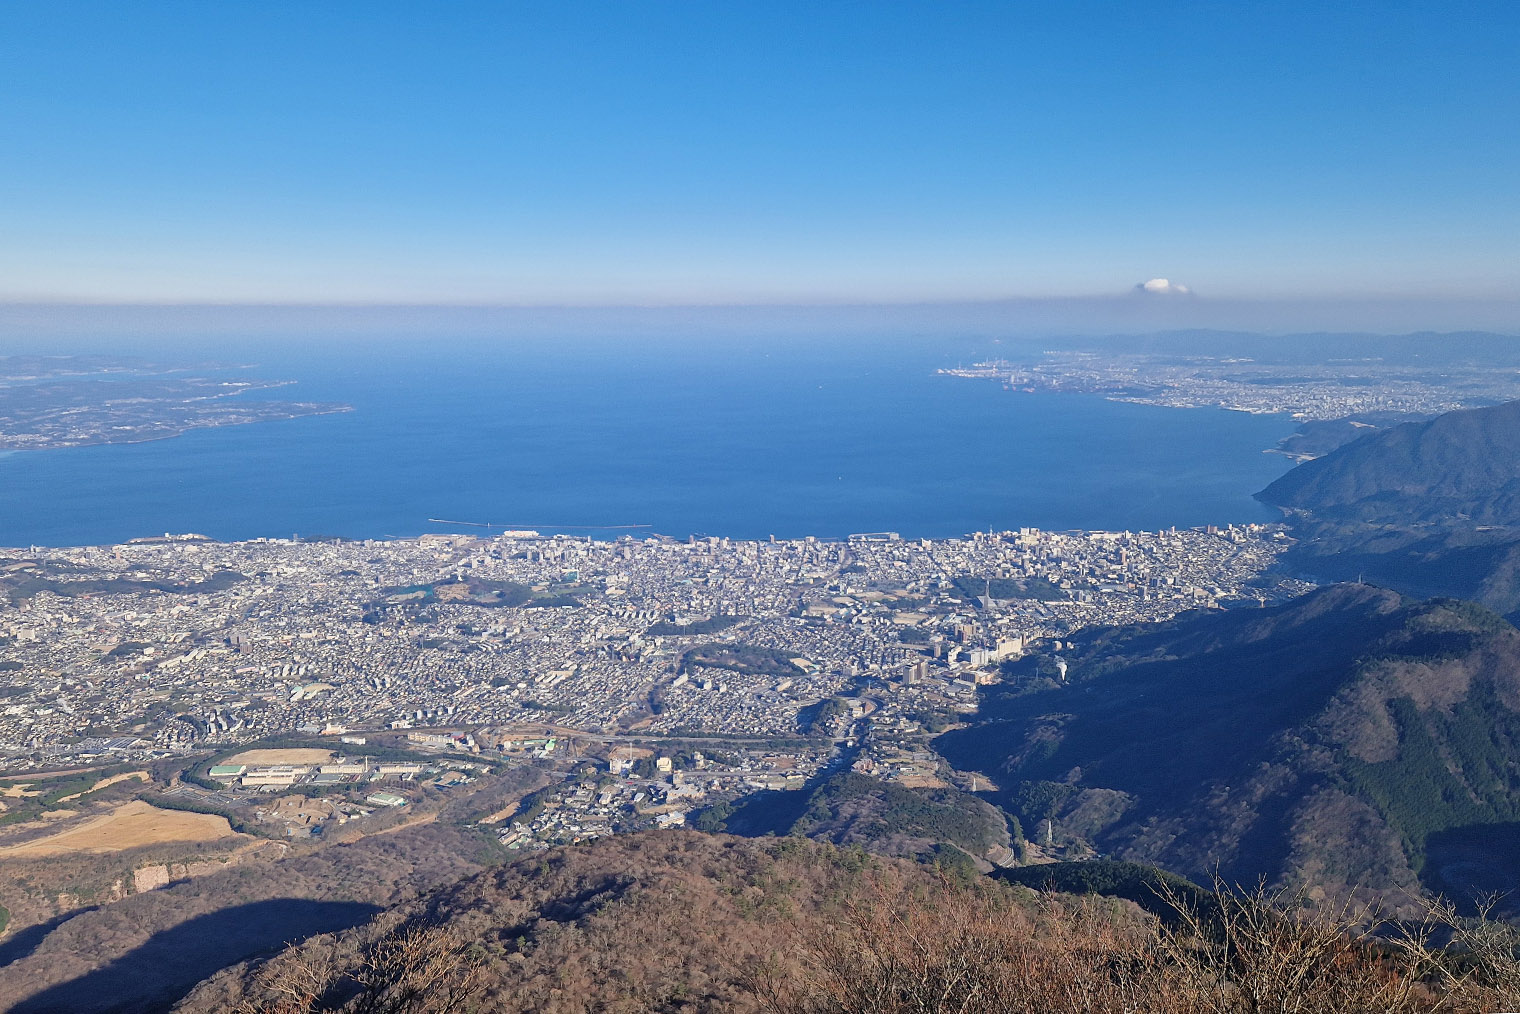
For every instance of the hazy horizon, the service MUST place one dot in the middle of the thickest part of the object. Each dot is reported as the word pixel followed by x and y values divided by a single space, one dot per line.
pixel 58 326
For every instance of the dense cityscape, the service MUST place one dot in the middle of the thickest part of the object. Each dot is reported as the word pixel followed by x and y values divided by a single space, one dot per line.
pixel 775 656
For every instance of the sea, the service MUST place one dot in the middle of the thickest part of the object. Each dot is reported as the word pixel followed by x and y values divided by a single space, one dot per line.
pixel 638 436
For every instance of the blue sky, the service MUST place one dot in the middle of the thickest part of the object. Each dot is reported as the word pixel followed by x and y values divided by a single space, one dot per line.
pixel 644 152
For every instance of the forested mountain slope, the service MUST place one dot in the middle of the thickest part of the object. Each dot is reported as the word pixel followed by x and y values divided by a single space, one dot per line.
pixel 1428 508
pixel 1463 464
pixel 686 923
pixel 1324 740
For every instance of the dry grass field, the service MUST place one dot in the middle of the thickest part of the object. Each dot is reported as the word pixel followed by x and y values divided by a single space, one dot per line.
pixel 127 826
pixel 141 775
pixel 296 756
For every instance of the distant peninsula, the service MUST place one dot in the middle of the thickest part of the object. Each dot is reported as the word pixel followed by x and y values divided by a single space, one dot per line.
pixel 50 402
pixel 1314 378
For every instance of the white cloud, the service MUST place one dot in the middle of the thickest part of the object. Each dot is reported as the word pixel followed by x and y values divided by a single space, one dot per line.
pixel 1164 287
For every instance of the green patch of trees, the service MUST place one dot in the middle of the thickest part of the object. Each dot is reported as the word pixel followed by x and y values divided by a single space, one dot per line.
pixel 873 810
pixel 533 804
pixel 818 719
pixel 711 625
pixel 1153 889
pixel 1037 588
pixel 126 648
pixel 1034 801
pixel 1453 768
pixel 955 864
pixel 749 659
pixel 551 601
pixel 936 720
pixel 714 817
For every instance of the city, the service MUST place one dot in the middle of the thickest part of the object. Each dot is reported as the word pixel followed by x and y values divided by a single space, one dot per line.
pixel 1307 391
pixel 654 676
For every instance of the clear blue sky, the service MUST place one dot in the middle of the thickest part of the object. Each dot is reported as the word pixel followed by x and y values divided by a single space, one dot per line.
pixel 769 151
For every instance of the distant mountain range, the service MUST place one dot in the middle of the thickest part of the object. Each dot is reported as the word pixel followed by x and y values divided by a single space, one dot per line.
pixel 1333 740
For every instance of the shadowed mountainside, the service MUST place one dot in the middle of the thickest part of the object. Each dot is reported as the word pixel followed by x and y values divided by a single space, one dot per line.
pixel 158 973
pixel 145 951
pixel 1428 508
pixel 1324 739
pixel 1458 560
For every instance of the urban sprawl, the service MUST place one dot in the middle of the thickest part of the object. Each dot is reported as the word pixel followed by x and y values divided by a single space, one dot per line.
pixel 1304 391
pixel 692 671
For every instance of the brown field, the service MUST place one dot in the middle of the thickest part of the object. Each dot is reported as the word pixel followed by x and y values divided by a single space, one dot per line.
pixel 127 826
pixel 108 781
pixel 297 756
pixel 426 818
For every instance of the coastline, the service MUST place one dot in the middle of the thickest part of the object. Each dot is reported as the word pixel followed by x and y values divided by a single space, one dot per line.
pixel 181 431
pixel 812 447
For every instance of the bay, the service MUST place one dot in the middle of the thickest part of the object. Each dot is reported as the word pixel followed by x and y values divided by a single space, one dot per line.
pixel 739 438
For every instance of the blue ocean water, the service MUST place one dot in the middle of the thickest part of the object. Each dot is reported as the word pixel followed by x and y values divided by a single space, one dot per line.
pixel 745 439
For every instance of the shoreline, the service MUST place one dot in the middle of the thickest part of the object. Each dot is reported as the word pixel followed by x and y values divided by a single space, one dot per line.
pixel 580 535
pixel 326 410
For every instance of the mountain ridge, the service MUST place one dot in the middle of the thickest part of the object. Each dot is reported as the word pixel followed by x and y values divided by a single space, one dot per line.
pixel 1427 508
pixel 1463 464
